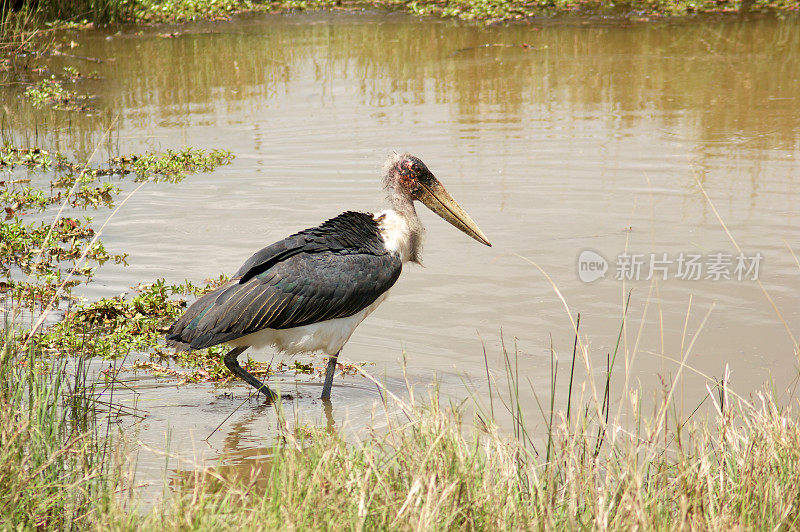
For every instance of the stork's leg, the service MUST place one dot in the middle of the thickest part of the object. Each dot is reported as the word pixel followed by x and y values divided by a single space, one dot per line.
pixel 232 363
pixel 329 371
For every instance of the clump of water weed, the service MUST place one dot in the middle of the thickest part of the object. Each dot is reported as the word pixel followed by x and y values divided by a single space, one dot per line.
pixel 40 247
pixel 34 158
pixel 187 10
pixel 171 165
pixel 48 252
pixel 114 327
pixel 52 93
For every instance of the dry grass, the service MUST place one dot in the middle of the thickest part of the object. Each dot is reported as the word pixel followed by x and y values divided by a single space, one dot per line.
pixel 427 470
pixel 434 466
pixel 740 471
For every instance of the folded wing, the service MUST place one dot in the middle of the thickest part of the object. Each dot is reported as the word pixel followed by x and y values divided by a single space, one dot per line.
pixel 331 271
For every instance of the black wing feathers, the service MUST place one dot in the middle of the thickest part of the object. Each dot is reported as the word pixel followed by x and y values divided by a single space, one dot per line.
pixel 350 232
pixel 331 271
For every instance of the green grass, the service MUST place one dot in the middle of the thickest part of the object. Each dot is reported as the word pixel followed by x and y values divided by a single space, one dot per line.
pixel 56 463
pixel 425 474
pixel 433 467
pixel 21 37
pixel 95 11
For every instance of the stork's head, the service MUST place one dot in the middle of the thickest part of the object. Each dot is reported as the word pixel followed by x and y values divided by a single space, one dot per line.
pixel 408 178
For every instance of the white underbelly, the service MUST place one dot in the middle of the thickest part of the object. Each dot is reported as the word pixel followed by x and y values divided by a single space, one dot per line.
pixel 325 336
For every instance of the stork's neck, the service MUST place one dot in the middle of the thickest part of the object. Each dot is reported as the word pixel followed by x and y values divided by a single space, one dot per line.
pixel 401 229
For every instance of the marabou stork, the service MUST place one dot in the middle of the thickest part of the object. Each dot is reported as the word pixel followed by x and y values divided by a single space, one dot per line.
pixel 309 291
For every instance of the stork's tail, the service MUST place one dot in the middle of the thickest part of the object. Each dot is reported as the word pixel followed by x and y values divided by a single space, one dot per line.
pixel 185 334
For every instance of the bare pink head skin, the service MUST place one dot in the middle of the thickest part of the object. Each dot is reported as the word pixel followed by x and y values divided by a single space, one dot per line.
pixel 407 179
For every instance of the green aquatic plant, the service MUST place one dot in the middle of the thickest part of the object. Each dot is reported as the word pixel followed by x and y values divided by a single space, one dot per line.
pixel 39 247
pixel 34 158
pixel 171 165
pixel 114 327
pixel 51 93
pixel 95 196
pixel 14 199
pixel 73 74
pixel 48 253
pixel 186 10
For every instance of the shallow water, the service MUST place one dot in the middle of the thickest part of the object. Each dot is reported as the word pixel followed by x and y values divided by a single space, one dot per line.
pixel 556 138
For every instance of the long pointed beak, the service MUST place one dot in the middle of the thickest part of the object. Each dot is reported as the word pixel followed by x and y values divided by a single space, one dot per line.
pixel 437 199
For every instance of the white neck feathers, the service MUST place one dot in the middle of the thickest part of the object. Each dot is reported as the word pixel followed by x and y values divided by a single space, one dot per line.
pixel 402 233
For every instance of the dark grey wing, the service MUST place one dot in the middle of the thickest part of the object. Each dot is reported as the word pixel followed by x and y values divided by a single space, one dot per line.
pixel 331 271
pixel 350 232
pixel 305 288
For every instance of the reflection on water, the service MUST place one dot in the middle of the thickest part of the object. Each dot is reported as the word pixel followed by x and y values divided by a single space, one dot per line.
pixel 239 462
pixel 556 138
pixel 717 78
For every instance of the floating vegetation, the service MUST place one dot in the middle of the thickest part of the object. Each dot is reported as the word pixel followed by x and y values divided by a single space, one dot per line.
pixel 114 327
pixel 87 196
pixel 171 165
pixel 51 93
pixel 58 257
pixel 186 10
pixel 33 158
pixel 42 261
pixel 26 197
pixel 73 74
pixel 40 248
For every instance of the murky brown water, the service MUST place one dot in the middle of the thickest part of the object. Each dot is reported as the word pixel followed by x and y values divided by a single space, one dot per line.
pixel 592 136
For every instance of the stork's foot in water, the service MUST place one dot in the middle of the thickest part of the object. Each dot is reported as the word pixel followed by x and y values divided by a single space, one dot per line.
pixel 232 363
pixel 329 371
